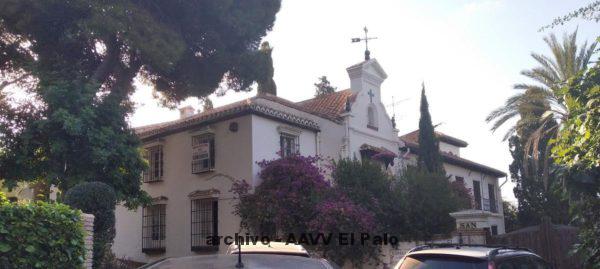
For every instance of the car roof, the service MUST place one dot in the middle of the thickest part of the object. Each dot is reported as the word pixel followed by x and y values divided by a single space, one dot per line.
pixel 478 252
pixel 472 252
pixel 250 261
pixel 273 248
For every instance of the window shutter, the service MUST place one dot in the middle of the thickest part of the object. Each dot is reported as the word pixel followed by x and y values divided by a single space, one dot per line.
pixel 215 216
pixel 145 173
pixel 161 160
pixel 212 151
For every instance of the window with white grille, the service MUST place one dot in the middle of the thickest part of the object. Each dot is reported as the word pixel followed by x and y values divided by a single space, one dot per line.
pixel 154 156
pixel 289 145
pixel 203 153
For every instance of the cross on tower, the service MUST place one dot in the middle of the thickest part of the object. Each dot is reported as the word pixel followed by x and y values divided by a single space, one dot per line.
pixel 366 39
pixel 371 95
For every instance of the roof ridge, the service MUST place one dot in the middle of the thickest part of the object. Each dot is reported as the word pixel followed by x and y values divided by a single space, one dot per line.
pixel 323 96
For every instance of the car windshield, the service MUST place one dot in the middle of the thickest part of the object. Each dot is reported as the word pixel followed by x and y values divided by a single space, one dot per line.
pixel 442 262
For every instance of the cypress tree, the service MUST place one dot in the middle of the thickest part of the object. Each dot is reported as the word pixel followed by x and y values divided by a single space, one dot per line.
pixel 428 159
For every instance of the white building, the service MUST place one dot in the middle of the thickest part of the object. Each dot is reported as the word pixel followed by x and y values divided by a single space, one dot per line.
pixel 194 159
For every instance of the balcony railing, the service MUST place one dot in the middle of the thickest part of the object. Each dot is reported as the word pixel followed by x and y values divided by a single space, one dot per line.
pixel 488 205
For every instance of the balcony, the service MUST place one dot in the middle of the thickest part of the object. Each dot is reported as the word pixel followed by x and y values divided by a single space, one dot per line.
pixel 489 206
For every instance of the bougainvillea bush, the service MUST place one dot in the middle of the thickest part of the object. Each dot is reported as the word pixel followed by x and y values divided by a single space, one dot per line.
pixel 340 217
pixel 294 197
pixel 462 194
pixel 290 189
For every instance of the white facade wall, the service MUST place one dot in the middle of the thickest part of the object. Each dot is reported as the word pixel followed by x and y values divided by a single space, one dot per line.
pixel 445 147
pixel 265 142
pixel 234 160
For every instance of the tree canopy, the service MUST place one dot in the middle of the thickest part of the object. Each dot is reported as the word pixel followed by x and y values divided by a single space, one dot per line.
pixel 577 148
pixel 185 48
pixel 83 58
pixel 323 86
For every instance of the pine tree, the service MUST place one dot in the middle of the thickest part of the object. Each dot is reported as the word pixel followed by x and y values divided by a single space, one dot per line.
pixel 323 86
pixel 266 84
pixel 207 104
pixel 428 158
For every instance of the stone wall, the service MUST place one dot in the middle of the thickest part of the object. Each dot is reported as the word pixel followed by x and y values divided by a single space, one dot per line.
pixel 88 226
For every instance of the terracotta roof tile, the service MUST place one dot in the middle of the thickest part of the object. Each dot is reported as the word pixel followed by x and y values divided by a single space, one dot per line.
pixel 414 137
pixel 457 160
pixel 330 106
pixel 231 110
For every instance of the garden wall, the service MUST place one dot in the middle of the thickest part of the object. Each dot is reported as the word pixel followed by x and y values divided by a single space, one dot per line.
pixel 88 226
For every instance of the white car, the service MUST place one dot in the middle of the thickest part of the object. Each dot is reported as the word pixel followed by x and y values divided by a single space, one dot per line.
pixel 278 248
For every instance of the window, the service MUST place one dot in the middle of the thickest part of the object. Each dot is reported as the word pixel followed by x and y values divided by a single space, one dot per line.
pixel 460 179
pixel 494 230
pixel 492 195
pixel 477 194
pixel 371 118
pixel 289 144
pixel 153 228
pixel 203 153
pixel 205 223
pixel 154 156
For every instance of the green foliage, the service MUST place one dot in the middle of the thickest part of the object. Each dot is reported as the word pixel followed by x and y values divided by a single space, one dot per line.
pixel 579 142
pixel 589 12
pixel 534 199
pixel 462 194
pixel 429 201
pixel 185 47
pixel 208 104
pixel 577 147
pixel 40 235
pixel 566 61
pixel 77 140
pixel 511 221
pixel 587 216
pixel 3 199
pixel 428 155
pixel 294 198
pixel 98 199
pixel 323 86
pixel 370 187
pixel 264 62
pixel 82 57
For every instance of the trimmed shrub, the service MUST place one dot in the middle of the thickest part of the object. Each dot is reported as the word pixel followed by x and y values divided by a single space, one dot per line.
pixel 429 201
pixel 40 235
pixel 98 199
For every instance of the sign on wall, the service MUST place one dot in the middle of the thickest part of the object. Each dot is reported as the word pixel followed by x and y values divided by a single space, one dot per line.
pixel 470 225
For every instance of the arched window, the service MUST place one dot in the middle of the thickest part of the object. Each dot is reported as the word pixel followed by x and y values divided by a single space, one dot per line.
pixel 372 117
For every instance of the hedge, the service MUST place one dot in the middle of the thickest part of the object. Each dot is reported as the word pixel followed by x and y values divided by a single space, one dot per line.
pixel 40 235
pixel 98 199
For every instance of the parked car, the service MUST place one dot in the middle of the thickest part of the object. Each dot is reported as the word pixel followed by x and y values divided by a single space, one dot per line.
pixel 278 248
pixel 471 257
pixel 249 261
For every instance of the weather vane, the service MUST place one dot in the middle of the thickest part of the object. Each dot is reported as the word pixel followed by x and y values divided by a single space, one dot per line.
pixel 366 39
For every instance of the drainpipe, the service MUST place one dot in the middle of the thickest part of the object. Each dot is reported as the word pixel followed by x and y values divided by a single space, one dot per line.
pixel 505 180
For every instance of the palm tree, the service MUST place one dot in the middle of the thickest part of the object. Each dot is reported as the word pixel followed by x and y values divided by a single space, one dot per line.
pixel 540 106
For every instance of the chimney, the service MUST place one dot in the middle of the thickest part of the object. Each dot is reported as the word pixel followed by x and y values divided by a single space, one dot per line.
pixel 186 111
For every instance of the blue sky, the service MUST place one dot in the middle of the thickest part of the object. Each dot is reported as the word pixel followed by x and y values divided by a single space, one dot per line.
pixel 468 52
